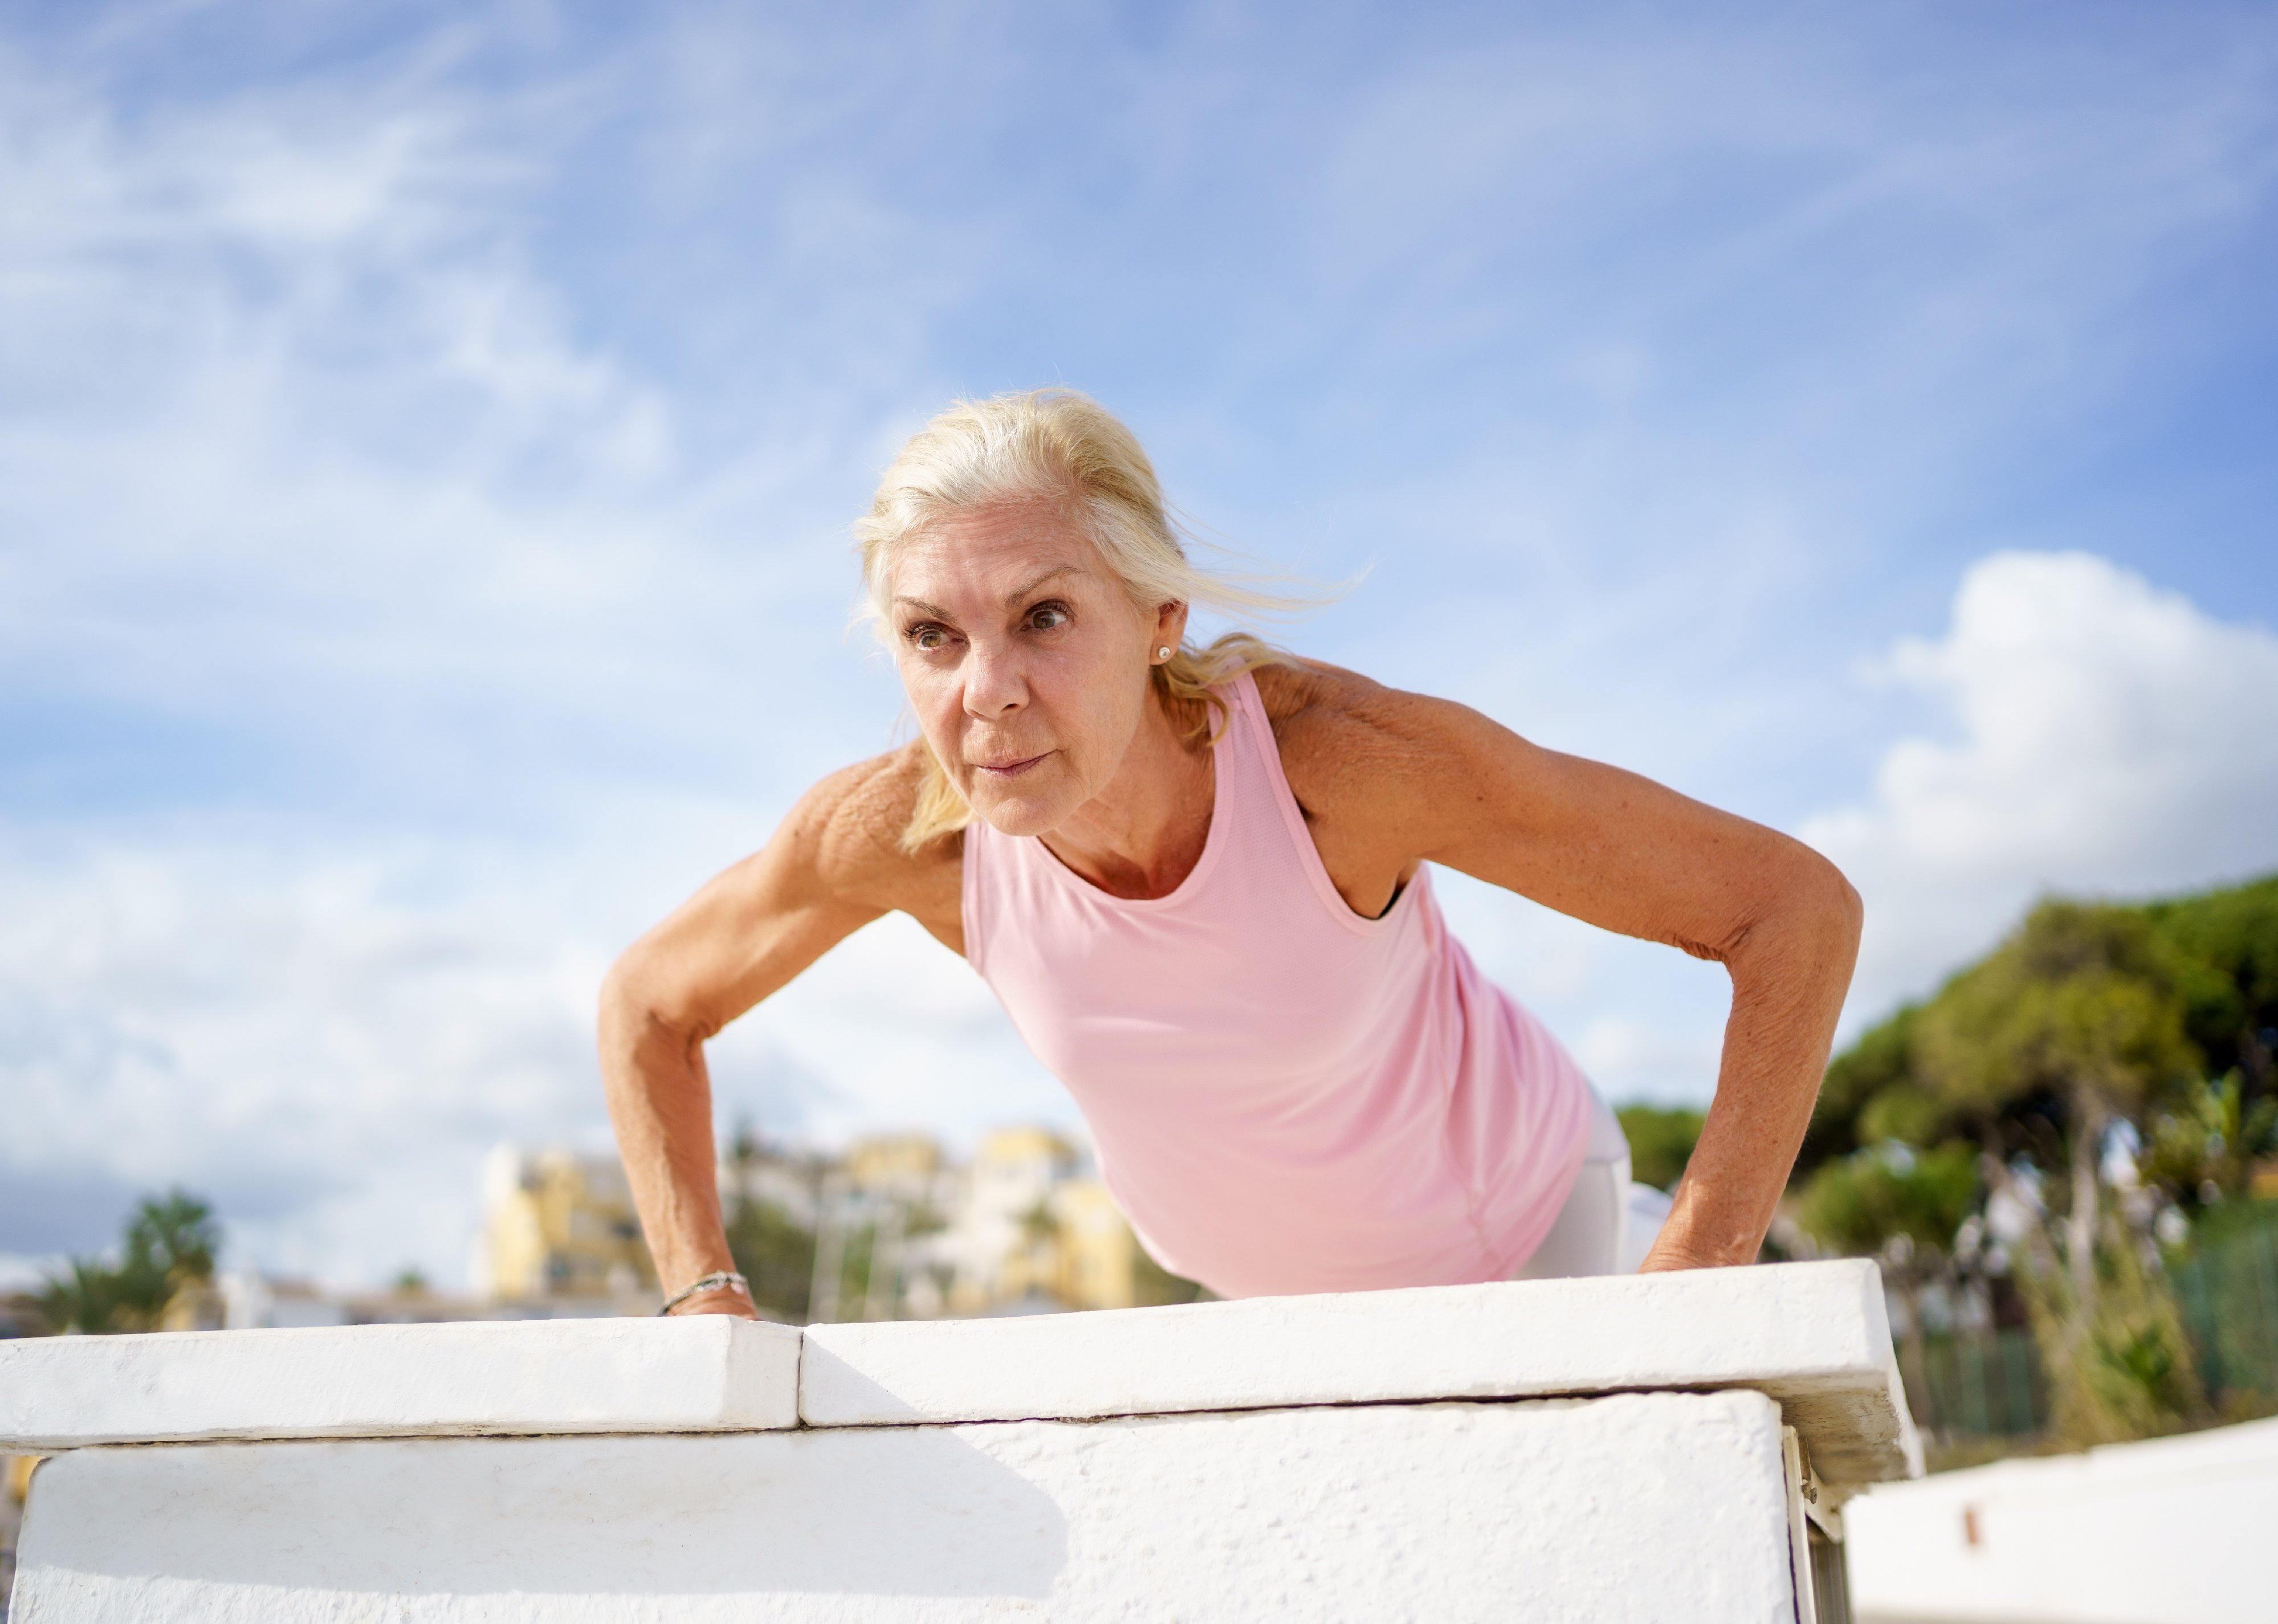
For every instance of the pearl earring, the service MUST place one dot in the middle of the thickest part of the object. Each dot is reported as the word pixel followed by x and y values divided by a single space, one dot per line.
pixel 1164 652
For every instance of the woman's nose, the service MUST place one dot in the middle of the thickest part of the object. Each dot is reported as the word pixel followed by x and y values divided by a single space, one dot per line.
pixel 993 682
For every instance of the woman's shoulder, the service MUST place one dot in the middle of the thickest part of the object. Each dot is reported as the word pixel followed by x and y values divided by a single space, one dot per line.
pixel 1314 705
pixel 850 827
pixel 1341 734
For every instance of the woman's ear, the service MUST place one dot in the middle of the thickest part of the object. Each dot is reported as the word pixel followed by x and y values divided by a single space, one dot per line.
pixel 1170 624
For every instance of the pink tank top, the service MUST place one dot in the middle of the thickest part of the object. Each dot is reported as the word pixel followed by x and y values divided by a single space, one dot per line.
pixel 1284 1097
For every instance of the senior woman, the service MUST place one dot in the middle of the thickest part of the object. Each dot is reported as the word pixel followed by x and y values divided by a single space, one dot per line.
pixel 1199 881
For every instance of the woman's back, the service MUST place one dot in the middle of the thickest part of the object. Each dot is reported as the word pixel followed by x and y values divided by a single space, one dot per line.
pixel 1285 1096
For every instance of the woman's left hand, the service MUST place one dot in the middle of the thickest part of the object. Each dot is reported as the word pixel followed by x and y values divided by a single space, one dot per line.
pixel 1389 778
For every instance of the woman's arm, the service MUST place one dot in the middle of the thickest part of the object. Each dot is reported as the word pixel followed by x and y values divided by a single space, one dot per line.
pixel 834 865
pixel 1388 779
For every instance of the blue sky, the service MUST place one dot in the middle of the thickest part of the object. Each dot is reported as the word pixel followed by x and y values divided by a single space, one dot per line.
pixel 427 441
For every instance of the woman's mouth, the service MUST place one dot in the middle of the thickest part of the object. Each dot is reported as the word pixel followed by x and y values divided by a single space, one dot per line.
pixel 1007 769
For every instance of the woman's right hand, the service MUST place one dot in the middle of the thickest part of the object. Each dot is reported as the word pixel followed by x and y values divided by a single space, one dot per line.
pixel 728 1299
pixel 835 865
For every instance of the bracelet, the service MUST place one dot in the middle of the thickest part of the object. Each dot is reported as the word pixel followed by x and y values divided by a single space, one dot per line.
pixel 712 1282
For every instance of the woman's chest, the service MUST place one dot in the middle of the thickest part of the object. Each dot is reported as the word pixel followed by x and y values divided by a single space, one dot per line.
pixel 1277 991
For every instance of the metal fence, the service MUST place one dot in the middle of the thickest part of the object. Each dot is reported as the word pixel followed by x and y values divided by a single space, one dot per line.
pixel 1991 1385
pixel 2229 1295
pixel 1979 1386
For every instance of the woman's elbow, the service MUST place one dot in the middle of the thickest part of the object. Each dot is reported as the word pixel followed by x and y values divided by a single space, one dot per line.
pixel 1833 905
pixel 1803 907
pixel 632 1004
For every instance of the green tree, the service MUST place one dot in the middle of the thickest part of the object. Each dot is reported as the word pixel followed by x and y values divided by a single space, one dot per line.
pixel 2227 941
pixel 1858 1205
pixel 2203 1149
pixel 174 1237
pixel 773 1252
pixel 1904 1207
pixel 1661 1138
pixel 169 1245
pixel 2079 1006
pixel 2086 1015
pixel 1154 1286
pixel 1874 1079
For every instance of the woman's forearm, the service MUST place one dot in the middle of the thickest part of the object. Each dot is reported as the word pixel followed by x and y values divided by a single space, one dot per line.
pixel 659 1097
pixel 1790 973
pixel 828 871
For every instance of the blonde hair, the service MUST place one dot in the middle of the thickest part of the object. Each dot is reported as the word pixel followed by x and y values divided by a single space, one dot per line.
pixel 1061 445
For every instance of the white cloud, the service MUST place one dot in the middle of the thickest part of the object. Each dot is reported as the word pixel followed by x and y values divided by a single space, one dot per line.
pixel 2106 737
pixel 311 487
pixel 292 1031
pixel 326 1040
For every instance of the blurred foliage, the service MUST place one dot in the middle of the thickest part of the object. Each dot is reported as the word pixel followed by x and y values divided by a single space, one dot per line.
pixel 1859 1205
pixel 2080 1004
pixel 1037 1224
pixel 1660 1141
pixel 2135 1004
pixel 773 1251
pixel 2095 1092
pixel 1888 1201
pixel 1875 1074
pixel 1154 1286
pixel 2119 1365
pixel 168 1245
pixel 2202 1149
pixel 2226 946
pixel 775 1254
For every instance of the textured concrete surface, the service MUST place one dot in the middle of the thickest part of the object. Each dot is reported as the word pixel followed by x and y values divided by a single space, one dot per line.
pixel 1812 1335
pixel 705 1374
pixel 2172 1531
pixel 1648 1506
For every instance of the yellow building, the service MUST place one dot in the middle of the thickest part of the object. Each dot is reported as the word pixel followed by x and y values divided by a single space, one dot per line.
pixel 557 1224
pixel 1035 1231
pixel 893 1164
pixel 196 1306
pixel 1098 1255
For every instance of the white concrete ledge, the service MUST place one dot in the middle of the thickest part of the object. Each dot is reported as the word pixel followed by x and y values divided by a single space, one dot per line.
pixel 708 1373
pixel 2168 1531
pixel 1812 1336
pixel 1551 1450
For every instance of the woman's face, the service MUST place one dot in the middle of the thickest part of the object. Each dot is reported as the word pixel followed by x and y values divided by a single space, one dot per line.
pixel 1024 658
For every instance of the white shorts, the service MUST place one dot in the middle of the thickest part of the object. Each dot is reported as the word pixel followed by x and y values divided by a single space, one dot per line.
pixel 1607 1224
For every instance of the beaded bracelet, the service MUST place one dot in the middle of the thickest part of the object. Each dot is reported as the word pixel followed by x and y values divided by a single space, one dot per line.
pixel 712 1282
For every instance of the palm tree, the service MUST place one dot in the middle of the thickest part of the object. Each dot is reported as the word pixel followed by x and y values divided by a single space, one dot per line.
pixel 169 1245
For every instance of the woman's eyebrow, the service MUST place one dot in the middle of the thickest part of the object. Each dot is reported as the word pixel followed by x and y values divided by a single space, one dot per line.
pixel 922 606
pixel 1013 598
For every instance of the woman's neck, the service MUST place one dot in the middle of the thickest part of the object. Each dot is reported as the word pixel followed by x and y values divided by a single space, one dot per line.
pixel 1143 836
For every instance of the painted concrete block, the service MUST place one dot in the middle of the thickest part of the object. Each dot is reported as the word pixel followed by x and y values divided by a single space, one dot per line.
pixel 1812 1335
pixel 1639 1507
pixel 2164 1532
pixel 704 1374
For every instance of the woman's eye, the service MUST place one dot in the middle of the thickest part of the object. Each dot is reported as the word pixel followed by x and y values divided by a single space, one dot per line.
pixel 1048 617
pixel 927 639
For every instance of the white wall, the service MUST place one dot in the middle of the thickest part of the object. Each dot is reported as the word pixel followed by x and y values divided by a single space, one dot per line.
pixel 1606 1449
pixel 1644 1506
pixel 2173 1531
